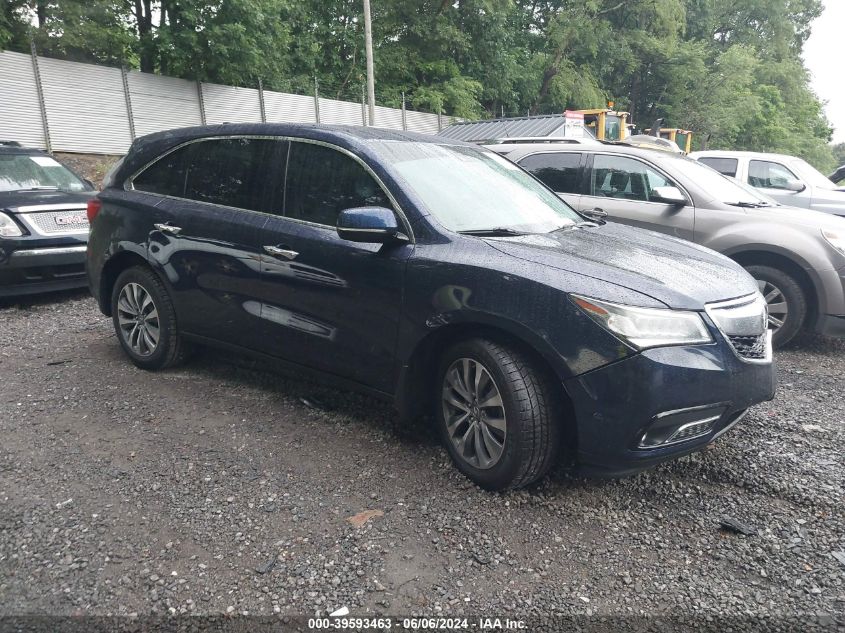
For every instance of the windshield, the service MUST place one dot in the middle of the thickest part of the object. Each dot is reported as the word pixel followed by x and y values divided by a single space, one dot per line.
pixel 811 175
pixel 468 189
pixel 720 187
pixel 21 172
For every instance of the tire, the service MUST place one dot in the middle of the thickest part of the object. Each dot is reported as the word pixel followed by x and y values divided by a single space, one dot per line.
pixel 140 287
pixel 773 280
pixel 526 424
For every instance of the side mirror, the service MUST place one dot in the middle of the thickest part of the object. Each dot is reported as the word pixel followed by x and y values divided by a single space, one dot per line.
pixel 370 225
pixel 668 195
pixel 794 185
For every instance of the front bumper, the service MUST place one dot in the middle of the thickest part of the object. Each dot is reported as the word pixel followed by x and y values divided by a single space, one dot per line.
pixel 619 406
pixel 29 266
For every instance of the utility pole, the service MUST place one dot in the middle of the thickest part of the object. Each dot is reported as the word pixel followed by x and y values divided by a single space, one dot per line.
pixel 371 78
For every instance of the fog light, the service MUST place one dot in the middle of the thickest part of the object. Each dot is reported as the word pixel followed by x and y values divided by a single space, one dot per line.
pixel 673 427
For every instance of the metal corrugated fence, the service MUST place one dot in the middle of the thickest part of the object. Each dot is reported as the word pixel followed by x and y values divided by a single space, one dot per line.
pixel 99 110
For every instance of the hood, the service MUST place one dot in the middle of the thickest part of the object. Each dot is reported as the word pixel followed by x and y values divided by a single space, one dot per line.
pixel 10 200
pixel 829 200
pixel 797 216
pixel 676 273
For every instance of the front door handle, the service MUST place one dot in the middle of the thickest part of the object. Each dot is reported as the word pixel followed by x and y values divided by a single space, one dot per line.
pixel 277 251
pixel 168 228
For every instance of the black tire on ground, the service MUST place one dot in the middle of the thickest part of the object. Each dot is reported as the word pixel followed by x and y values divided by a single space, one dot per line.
pixel 796 301
pixel 531 414
pixel 170 349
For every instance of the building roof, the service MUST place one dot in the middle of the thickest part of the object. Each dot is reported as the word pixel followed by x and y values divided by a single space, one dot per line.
pixel 528 126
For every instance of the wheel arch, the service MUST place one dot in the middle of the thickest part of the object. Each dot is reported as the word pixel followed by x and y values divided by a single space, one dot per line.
pixel 111 271
pixel 418 373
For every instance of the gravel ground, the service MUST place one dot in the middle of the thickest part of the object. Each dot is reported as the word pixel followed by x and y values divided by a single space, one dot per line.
pixel 215 488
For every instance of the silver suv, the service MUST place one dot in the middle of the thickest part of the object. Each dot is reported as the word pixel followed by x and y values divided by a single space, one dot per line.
pixel 787 179
pixel 796 256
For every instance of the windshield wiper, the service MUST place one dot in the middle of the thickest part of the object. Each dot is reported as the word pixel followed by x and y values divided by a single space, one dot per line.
pixel 499 231
pixel 43 188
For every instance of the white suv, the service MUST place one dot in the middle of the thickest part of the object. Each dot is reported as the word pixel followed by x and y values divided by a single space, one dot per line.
pixel 789 180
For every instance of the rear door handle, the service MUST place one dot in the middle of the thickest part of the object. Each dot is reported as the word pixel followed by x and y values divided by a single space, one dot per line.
pixel 283 253
pixel 168 228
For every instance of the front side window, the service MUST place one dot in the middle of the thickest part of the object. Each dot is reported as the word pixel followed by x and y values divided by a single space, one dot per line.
pixel 33 172
pixel 558 171
pixel 234 172
pixel 625 178
pixel 322 182
pixel 470 189
pixel 769 175
pixel 725 166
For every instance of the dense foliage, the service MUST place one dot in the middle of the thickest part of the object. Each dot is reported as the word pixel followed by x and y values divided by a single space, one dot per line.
pixel 730 69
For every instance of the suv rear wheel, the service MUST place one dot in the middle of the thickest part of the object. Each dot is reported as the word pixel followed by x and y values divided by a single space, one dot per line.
pixel 786 300
pixel 496 414
pixel 145 321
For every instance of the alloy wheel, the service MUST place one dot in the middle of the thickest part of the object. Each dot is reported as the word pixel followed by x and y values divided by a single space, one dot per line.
pixel 776 302
pixel 137 316
pixel 474 413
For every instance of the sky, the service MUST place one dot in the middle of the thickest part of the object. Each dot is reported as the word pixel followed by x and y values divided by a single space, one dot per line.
pixel 824 53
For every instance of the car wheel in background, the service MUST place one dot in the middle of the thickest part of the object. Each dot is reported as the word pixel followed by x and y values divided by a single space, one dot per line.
pixel 785 299
pixel 496 414
pixel 145 321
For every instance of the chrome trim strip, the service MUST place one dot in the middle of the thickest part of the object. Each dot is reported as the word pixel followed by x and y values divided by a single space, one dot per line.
pixel 35 208
pixel 688 409
pixel 129 184
pixel 730 426
pixel 59 250
pixel 738 303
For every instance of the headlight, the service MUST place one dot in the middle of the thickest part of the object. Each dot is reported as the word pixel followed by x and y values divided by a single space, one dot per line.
pixel 646 327
pixel 8 228
pixel 835 238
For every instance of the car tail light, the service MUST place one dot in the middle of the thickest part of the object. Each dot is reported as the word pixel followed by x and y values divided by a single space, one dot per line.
pixel 94 206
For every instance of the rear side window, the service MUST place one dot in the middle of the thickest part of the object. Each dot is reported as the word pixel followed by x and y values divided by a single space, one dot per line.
pixel 558 171
pixel 322 182
pixel 235 172
pixel 725 166
pixel 625 178
pixel 769 175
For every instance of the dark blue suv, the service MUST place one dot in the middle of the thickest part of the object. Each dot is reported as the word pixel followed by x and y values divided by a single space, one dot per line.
pixel 436 275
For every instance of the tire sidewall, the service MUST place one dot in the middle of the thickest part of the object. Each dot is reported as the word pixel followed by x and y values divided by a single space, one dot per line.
pixel 146 280
pixel 795 301
pixel 505 471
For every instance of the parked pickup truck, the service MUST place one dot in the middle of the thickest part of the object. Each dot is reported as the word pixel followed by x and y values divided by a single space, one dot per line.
pixel 789 180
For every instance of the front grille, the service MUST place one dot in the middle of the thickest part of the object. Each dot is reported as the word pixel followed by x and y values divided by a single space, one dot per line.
pixel 750 347
pixel 57 222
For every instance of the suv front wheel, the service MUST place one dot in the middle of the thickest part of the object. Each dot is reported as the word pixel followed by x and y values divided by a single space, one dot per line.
pixel 496 414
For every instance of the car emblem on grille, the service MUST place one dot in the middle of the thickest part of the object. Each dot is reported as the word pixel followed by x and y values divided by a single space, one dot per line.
pixel 74 219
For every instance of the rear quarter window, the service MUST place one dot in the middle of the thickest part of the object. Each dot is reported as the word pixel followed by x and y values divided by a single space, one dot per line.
pixel 725 166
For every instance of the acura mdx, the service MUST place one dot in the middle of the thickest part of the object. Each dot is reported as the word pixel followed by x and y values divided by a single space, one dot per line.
pixel 436 275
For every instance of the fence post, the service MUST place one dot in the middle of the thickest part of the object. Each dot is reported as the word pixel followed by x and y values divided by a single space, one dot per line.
pixel 125 76
pixel 41 103
pixel 404 113
pixel 316 100
pixel 363 105
pixel 201 102
pixel 440 120
pixel 261 100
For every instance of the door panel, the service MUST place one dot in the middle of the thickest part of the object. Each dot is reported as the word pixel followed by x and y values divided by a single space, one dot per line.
pixel 208 249
pixel 622 187
pixel 327 302
pixel 335 305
